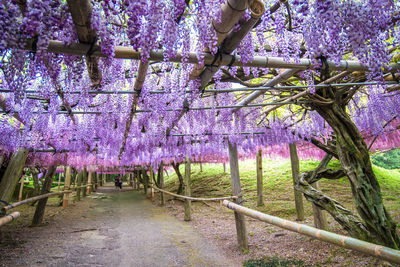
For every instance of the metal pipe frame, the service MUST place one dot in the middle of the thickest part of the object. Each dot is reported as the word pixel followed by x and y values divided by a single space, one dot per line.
pixel 223 90
pixel 169 110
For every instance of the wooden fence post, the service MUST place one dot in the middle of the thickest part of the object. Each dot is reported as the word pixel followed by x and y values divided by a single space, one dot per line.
pixel 95 181
pixel 89 183
pixel 145 181
pixel 237 191
pixel 84 181
pixel 319 215
pixel 186 183
pixel 59 182
pixel 12 174
pixel 224 167
pixel 151 181
pixel 78 185
pixel 201 167
pixel 260 201
pixel 40 208
pixel 134 180
pixel 161 178
pixel 298 196
pixel 21 188
pixel 67 183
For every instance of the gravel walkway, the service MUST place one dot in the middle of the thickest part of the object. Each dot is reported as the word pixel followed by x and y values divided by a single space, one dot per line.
pixel 113 229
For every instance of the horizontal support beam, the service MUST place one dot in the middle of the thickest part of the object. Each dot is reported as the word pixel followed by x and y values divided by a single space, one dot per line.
pixel 226 60
pixel 377 251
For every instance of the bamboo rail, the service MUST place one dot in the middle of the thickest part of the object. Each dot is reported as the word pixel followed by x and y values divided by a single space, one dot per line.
pixel 158 55
pixel 19 203
pixel 9 218
pixel 82 186
pixel 378 251
pixel 192 198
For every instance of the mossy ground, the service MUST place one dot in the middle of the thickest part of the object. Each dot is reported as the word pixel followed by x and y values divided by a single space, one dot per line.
pixel 278 185
pixel 279 201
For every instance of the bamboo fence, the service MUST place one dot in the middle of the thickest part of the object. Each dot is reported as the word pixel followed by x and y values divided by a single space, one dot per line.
pixel 377 251
pixel 19 203
pixel 9 218
pixel 192 198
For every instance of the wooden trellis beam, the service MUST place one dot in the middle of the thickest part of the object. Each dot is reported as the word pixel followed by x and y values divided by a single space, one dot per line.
pixel 143 67
pixel 231 11
pixel 81 12
pixel 158 55
pixel 233 40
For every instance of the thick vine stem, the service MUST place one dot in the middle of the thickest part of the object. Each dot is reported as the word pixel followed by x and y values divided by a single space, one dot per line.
pixel 354 157
pixel 349 221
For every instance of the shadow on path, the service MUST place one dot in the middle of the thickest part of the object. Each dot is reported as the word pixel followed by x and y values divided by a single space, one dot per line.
pixel 119 229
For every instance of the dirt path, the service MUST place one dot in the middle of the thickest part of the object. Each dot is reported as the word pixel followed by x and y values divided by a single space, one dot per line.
pixel 118 229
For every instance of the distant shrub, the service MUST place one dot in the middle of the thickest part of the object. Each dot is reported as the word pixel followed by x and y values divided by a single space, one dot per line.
pixel 388 160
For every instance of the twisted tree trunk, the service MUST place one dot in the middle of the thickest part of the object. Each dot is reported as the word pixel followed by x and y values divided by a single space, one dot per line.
pixel 180 177
pixel 12 174
pixel 46 188
pixel 354 157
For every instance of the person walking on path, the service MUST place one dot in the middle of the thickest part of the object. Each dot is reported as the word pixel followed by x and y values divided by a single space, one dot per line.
pixel 120 182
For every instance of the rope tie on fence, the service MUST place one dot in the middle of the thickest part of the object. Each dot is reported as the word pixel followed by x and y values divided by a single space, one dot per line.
pixel 91 50
pixel 3 213
pixel 193 198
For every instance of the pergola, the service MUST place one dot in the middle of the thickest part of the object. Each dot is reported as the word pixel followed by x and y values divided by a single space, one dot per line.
pixel 284 84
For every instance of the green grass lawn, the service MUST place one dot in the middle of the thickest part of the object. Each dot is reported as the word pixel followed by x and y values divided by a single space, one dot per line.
pixel 278 185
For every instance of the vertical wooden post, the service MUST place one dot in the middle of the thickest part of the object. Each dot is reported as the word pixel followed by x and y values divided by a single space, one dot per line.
pixel 67 183
pixel 201 167
pixel 161 179
pixel 73 178
pixel 104 179
pixel 40 208
pixel 95 181
pixel 237 191
pixel 224 167
pixel 84 181
pixel 320 220
pixel 21 188
pixel 134 180
pixel 145 181
pixel 151 182
pixel 79 177
pixel 59 182
pixel 89 183
pixel 298 196
pixel 260 201
pixel 186 183
pixel 12 174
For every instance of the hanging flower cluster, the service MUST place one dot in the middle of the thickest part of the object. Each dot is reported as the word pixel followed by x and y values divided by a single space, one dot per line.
pixel 174 117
